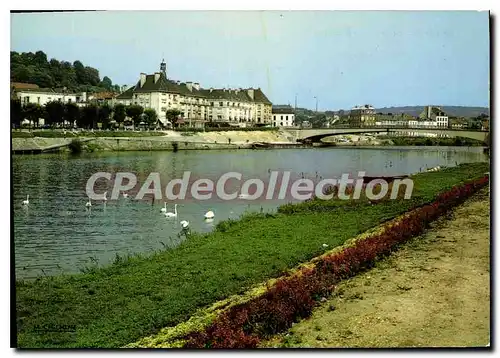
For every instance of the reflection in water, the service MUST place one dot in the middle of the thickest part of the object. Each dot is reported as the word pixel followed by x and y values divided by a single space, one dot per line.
pixel 58 233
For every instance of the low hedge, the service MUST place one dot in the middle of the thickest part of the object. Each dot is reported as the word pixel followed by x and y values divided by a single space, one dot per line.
pixel 292 298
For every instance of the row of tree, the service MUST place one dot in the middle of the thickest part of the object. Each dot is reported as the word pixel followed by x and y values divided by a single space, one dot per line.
pixel 58 114
pixel 35 68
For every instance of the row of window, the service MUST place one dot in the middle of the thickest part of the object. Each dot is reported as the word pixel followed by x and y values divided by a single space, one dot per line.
pixel 26 99
pixel 286 117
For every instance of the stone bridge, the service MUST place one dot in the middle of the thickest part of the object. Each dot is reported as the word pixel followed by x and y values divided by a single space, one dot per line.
pixel 316 135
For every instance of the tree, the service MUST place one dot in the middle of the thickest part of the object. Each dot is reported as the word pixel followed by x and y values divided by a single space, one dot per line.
pixel 172 115
pixel 151 117
pixel 71 113
pixel 32 112
pixel 104 114
pixel 34 68
pixel 16 112
pixel 54 112
pixel 134 111
pixel 119 113
pixel 89 117
pixel 40 59
pixel 106 83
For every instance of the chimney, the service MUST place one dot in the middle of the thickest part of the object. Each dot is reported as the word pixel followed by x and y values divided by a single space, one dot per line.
pixel 143 79
pixel 157 76
pixel 189 85
pixel 197 86
pixel 429 111
pixel 250 93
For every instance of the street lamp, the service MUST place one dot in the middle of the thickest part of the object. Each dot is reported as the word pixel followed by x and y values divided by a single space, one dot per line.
pixel 316 98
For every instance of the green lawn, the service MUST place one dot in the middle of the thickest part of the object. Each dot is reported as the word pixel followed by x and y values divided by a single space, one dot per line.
pixel 135 297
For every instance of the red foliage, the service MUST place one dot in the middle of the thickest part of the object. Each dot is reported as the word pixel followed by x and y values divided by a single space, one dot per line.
pixel 294 297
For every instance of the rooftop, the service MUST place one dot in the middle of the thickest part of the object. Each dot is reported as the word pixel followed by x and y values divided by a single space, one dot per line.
pixel 158 82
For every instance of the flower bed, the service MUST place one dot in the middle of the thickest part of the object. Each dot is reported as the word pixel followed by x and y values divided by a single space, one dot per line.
pixel 294 297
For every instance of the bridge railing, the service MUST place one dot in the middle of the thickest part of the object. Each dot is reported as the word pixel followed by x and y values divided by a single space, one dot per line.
pixel 386 127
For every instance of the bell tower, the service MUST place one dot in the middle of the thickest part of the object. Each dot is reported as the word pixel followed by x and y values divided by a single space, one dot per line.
pixel 163 67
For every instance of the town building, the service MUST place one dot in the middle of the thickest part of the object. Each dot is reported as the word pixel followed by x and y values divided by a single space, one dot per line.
pixel 397 120
pixel 283 116
pixel 457 123
pixel 197 105
pixel 362 116
pixel 101 98
pixel 31 93
pixel 435 115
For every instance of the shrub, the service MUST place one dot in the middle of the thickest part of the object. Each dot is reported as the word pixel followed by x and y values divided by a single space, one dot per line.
pixel 75 146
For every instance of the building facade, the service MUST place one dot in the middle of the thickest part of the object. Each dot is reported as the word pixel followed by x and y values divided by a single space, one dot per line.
pixel 362 116
pixel 237 107
pixel 436 115
pixel 283 116
pixel 31 93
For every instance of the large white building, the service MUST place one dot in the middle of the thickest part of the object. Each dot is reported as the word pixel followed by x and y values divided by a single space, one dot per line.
pixel 283 116
pixel 434 115
pixel 31 93
pixel 236 106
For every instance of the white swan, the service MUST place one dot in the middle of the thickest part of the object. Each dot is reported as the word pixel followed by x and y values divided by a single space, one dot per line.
pixel 209 215
pixel 164 209
pixel 88 204
pixel 125 195
pixel 105 199
pixel 27 201
pixel 172 214
pixel 184 224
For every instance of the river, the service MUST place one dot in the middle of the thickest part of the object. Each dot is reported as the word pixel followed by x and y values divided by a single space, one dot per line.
pixel 56 233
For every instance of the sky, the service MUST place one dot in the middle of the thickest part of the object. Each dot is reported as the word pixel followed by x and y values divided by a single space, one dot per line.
pixel 343 58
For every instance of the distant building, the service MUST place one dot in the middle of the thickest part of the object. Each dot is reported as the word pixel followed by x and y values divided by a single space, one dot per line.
pixel 283 116
pixel 457 123
pixel 306 124
pixel 436 115
pixel 103 98
pixel 237 107
pixel 397 120
pixel 362 116
pixel 485 124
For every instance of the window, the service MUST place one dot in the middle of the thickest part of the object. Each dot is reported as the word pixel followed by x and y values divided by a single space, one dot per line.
pixel 135 96
pixel 163 109
pixel 274 117
pixel 212 104
pixel 281 124
pixel 221 104
pixel 286 118
pixel 69 100
pixel 219 117
pixel 27 99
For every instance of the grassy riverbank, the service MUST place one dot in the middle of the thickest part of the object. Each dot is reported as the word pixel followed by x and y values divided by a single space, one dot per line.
pixel 431 141
pixel 135 297
pixel 412 296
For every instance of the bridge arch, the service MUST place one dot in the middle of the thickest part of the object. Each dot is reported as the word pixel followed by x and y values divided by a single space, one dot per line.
pixel 316 135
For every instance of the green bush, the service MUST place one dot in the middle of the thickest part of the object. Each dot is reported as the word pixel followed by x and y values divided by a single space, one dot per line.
pixel 16 134
pixel 75 146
